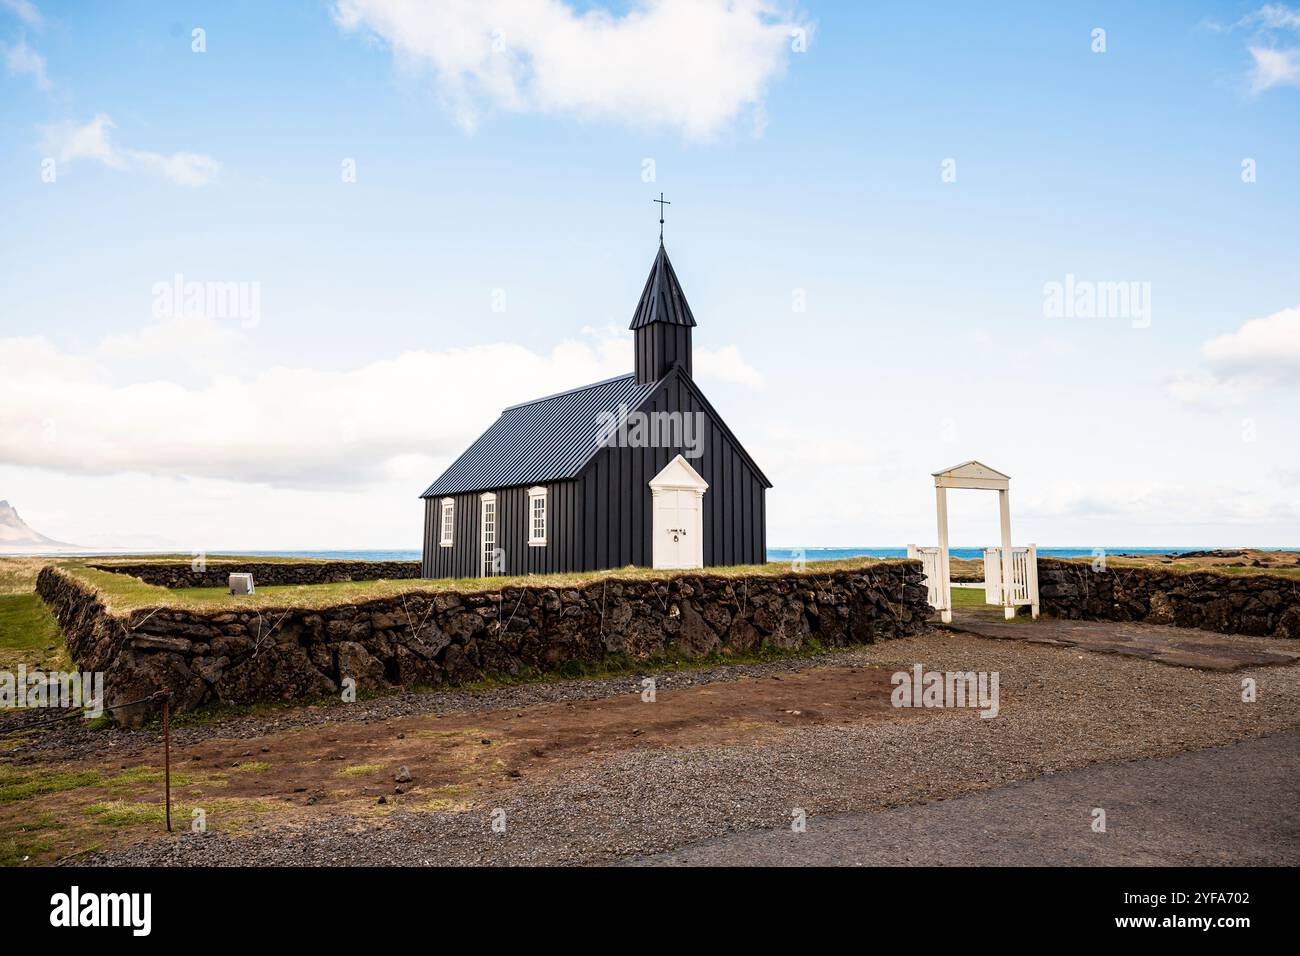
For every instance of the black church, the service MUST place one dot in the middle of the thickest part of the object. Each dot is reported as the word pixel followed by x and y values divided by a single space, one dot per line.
pixel 636 470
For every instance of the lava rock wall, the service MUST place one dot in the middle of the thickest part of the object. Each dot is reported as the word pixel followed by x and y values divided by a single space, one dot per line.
pixel 441 637
pixel 1259 604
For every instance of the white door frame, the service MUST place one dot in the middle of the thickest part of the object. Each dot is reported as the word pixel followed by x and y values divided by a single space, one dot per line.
pixel 973 474
pixel 677 476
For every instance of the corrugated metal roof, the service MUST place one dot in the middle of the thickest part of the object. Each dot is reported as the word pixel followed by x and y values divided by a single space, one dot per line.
pixel 662 299
pixel 543 440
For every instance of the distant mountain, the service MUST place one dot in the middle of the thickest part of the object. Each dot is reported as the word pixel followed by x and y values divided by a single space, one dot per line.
pixel 15 535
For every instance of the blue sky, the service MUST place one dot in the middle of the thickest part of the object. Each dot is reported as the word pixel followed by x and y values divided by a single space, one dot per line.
pixel 499 229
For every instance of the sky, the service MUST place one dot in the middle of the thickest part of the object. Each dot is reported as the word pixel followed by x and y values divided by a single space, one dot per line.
pixel 1062 239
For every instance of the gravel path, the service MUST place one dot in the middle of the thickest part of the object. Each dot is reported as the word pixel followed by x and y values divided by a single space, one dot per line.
pixel 1061 708
pixel 1234 805
pixel 1181 647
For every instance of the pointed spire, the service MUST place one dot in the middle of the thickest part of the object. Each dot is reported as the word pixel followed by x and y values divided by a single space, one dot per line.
pixel 662 299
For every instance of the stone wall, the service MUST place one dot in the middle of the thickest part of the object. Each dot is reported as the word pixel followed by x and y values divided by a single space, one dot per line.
pixel 216 574
pixel 1259 604
pixel 443 637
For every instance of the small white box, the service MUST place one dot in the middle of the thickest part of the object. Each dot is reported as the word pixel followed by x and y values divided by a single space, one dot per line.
pixel 241 583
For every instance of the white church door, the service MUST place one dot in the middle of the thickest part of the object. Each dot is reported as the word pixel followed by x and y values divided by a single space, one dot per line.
pixel 677 521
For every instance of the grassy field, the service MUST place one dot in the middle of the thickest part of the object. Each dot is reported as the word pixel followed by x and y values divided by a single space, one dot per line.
pixel 28 632
pixel 968 597
pixel 121 593
pixel 50 812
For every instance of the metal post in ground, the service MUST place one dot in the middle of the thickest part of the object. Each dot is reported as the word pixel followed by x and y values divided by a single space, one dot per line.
pixel 167 755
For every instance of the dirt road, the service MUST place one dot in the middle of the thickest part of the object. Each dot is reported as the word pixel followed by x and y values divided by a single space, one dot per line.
pixel 584 772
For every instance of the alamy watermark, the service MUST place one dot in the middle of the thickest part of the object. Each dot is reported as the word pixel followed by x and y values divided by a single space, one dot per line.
pixel 75 908
pixel 629 429
pixel 922 688
pixel 53 689
pixel 182 299
pixel 1085 299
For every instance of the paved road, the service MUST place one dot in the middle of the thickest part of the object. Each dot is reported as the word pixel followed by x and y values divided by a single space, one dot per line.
pixel 1229 805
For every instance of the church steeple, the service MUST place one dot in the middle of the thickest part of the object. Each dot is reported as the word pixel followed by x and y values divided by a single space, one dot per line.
pixel 662 323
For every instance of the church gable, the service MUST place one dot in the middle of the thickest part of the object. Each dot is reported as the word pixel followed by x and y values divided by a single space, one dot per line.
pixel 676 418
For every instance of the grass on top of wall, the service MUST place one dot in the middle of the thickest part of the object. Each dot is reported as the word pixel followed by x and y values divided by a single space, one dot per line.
pixel 1123 562
pixel 122 593
pixel 219 559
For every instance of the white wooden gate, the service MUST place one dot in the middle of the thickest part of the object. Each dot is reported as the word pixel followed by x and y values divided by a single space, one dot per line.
pixel 992 575
pixel 937 594
pixel 1024 578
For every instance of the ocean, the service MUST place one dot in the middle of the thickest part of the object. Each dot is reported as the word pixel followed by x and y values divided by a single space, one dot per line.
pixel 773 554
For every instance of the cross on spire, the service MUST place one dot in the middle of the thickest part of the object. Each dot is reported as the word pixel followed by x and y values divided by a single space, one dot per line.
pixel 662 202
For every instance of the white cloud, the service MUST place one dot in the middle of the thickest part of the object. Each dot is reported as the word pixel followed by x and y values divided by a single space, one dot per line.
pixel 1262 354
pixel 1278 16
pixel 124 441
pixel 726 365
pixel 1274 67
pixel 22 60
pixel 1275 62
pixel 24 10
pixel 1159 503
pixel 199 344
pixel 1208 390
pixel 687 65
pixel 1268 347
pixel 68 142
pixel 93 413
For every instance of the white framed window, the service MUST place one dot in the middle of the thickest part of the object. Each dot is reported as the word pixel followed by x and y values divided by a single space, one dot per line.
pixel 446 522
pixel 489 550
pixel 536 517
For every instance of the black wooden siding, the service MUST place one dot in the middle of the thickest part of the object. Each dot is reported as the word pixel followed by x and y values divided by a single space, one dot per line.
pixel 603 518
pixel 463 558
pixel 660 346
pixel 616 499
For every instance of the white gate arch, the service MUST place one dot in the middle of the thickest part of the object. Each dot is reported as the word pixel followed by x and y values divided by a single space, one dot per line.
pixel 1010 574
